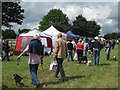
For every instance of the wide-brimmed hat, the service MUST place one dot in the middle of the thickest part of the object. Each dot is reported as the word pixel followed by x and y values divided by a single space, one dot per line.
pixel 80 40
pixel 96 38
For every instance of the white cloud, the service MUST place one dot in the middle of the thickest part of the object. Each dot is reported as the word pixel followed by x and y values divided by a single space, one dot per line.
pixel 109 21
pixel 30 25
pixel 70 10
pixel 96 13
pixel 102 13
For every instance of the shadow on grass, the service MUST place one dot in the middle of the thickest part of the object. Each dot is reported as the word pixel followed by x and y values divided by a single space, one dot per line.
pixel 4 87
pixel 105 64
pixel 67 79
pixel 21 85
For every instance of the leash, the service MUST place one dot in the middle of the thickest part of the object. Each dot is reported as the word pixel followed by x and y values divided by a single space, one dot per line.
pixel 18 60
pixel 17 63
pixel 45 78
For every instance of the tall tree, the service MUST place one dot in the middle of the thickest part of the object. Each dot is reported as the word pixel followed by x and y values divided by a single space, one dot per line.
pixel 56 18
pixel 9 33
pixel 11 13
pixel 79 25
pixel 92 29
pixel 83 27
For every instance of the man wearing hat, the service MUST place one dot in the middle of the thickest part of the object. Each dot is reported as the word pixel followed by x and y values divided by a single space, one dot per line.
pixel 96 50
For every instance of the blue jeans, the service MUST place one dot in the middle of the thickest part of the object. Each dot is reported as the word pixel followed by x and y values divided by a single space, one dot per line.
pixel 85 52
pixel 96 54
pixel 107 54
pixel 70 55
pixel 33 72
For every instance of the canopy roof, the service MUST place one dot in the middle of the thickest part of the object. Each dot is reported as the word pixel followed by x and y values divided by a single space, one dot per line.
pixel 51 31
pixel 72 34
pixel 34 32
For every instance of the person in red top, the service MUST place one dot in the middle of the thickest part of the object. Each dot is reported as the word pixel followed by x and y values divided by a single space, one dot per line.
pixel 79 49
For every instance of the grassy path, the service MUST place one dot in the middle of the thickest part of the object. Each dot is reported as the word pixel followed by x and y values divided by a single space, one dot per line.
pixel 79 76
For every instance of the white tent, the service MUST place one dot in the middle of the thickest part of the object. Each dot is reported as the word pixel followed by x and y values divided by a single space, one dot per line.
pixel 53 32
pixel 31 33
pixel 24 39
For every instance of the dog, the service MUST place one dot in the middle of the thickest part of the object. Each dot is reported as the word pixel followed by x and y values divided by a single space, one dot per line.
pixel 17 79
pixel 54 68
pixel 10 54
pixel 89 63
pixel 114 58
pixel 84 59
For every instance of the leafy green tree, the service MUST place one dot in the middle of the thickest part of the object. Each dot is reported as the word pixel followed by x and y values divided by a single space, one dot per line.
pixel 56 18
pixel 107 36
pixel 86 28
pixel 23 30
pixel 9 33
pixel 112 35
pixel 11 13
pixel 92 29
pixel 79 25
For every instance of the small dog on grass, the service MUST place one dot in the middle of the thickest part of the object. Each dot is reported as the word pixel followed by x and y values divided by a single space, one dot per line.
pixel 89 63
pixel 84 59
pixel 17 79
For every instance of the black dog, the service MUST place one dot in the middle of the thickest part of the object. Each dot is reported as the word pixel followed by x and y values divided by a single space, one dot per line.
pixel 17 79
pixel 84 58
pixel 10 54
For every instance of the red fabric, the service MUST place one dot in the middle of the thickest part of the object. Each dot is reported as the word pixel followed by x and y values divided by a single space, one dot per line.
pixel 80 46
pixel 49 42
pixel 18 43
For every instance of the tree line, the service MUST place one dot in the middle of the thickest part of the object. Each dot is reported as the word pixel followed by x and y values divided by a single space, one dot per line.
pixel 60 21
pixel 12 12
pixel 113 35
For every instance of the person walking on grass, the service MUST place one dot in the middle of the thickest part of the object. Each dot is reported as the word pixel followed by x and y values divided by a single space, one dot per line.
pixel 35 50
pixel 86 47
pixel 96 50
pixel 108 49
pixel 60 49
pixel 79 49
pixel 70 50
pixel 6 49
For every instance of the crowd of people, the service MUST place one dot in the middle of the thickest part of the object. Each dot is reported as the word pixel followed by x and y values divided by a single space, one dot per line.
pixel 83 47
pixel 62 49
pixel 86 46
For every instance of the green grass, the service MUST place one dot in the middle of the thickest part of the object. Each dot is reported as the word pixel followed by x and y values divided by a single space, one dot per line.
pixel 79 76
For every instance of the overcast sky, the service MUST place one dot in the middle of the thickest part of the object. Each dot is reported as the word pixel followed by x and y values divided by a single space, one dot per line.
pixel 104 13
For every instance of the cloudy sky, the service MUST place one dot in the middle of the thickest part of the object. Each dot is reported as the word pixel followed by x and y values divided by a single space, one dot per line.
pixel 104 13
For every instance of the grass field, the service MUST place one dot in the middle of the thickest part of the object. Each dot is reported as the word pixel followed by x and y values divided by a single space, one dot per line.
pixel 79 76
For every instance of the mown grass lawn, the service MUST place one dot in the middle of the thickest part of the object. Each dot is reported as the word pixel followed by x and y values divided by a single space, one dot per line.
pixel 79 76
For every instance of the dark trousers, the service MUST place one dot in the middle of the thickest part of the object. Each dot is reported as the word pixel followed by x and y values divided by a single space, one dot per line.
pixel 80 55
pixel 60 68
pixel 33 72
pixel 6 56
